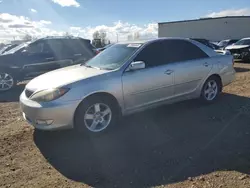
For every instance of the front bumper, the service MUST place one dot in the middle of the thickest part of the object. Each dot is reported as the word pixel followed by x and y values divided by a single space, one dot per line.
pixel 245 55
pixel 59 115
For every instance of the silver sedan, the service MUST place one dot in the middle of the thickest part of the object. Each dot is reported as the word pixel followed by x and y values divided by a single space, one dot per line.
pixel 125 78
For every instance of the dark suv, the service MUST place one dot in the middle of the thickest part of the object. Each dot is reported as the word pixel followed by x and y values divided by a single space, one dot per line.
pixel 29 60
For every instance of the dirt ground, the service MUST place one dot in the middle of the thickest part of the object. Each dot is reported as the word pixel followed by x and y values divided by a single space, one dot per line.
pixel 183 145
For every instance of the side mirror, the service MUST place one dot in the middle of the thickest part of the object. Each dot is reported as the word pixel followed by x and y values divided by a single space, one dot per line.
pixel 136 65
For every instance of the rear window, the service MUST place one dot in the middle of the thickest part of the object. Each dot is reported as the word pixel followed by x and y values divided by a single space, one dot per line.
pixel 243 42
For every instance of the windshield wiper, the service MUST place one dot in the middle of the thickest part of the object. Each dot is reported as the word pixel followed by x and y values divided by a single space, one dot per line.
pixel 107 69
pixel 89 66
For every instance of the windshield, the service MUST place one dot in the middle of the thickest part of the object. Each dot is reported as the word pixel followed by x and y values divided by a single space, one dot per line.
pixel 113 57
pixel 214 46
pixel 4 49
pixel 243 42
pixel 17 48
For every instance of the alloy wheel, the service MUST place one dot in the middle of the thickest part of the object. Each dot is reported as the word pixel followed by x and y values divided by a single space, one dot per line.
pixel 97 117
pixel 211 90
pixel 6 81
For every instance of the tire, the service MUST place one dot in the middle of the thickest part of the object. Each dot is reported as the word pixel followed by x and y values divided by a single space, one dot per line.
pixel 7 81
pixel 211 89
pixel 88 113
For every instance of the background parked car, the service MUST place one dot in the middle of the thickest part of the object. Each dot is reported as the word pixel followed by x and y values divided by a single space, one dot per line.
pixel 125 78
pixel 224 43
pixel 223 52
pixel 207 43
pixel 104 48
pixel 31 59
pixel 240 50
pixel 213 46
pixel 7 48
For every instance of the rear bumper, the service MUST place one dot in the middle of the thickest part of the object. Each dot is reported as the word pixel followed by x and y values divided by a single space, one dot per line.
pixel 50 116
pixel 228 77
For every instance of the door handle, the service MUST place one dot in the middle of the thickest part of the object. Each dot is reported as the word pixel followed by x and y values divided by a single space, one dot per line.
pixel 205 64
pixel 50 58
pixel 77 54
pixel 168 72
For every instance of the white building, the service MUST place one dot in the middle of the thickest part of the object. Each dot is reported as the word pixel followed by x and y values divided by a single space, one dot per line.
pixel 214 29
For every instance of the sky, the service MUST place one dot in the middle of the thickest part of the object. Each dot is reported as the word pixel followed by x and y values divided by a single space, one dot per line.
pixel 118 18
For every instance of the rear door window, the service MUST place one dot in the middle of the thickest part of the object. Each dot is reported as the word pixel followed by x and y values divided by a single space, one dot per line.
pixel 80 47
pixel 182 50
pixel 55 47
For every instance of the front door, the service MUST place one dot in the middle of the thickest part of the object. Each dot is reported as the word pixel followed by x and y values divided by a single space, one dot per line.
pixel 36 59
pixel 152 84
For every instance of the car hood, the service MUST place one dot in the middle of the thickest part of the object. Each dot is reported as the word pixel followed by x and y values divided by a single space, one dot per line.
pixel 61 77
pixel 236 47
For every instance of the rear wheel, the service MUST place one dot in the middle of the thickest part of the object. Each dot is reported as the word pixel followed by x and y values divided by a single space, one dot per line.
pixel 7 81
pixel 96 115
pixel 211 89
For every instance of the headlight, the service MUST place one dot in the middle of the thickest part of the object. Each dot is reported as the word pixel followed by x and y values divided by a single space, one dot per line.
pixel 49 94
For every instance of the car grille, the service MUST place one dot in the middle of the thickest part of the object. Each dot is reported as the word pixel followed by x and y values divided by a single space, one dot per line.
pixel 28 93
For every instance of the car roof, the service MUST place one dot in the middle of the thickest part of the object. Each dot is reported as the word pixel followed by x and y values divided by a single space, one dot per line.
pixel 246 38
pixel 61 38
pixel 152 40
pixel 199 39
pixel 229 39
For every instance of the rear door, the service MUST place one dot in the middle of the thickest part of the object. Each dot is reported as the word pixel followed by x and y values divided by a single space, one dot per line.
pixel 191 66
pixel 80 50
pixel 62 53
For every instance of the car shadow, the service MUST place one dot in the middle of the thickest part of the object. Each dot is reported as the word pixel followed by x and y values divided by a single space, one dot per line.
pixel 13 94
pixel 156 147
pixel 241 69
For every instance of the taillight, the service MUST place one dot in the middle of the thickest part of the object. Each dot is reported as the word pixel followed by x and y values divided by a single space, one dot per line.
pixel 97 52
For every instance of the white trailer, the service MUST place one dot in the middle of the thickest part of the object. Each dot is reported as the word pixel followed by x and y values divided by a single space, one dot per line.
pixel 214 29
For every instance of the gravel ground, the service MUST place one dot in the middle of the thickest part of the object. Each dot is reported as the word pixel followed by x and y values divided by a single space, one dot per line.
pixel 183 145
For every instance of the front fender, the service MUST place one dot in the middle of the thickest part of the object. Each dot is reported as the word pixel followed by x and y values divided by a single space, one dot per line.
pixel 13 70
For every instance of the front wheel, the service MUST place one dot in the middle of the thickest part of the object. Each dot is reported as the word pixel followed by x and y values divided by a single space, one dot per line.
pixel 7 81
pixel 211 89
pixel 96 115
